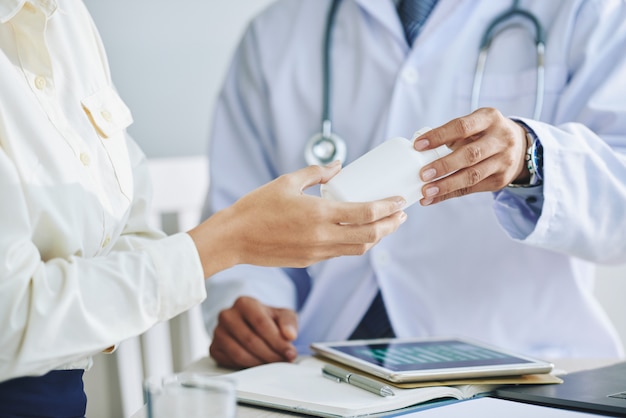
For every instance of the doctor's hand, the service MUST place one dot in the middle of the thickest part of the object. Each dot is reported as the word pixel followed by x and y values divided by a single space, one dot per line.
pixel 489 152
pixel 250 333
pixel 279 225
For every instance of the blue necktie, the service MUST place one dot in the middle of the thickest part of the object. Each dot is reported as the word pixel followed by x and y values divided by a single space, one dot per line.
pixel 375 323
pixel 413 14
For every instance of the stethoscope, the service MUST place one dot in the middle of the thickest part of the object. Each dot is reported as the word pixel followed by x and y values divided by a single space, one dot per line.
pixel 485 43
pixel 326 146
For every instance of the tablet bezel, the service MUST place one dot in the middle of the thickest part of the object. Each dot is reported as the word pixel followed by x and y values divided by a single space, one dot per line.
pixel 530 366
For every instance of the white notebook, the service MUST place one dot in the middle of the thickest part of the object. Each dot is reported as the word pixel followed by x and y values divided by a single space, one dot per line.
pixel 302 388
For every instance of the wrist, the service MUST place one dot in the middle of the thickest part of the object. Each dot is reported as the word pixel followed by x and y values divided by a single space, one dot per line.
pixel 214 243
pixel 533 160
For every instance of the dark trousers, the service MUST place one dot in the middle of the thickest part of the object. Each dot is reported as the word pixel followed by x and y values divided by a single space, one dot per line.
pixel 58 394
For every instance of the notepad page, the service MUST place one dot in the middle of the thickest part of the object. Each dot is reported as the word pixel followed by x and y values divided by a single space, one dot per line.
pixel 302 388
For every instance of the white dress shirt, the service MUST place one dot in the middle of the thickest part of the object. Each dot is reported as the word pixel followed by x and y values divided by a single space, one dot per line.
pixel 80 269
pixel 514 268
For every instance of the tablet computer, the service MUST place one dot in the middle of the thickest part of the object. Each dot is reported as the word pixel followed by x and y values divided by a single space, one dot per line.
pixel 414 360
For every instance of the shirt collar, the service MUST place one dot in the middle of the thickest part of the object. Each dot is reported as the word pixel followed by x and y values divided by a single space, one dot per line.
pixel 9 8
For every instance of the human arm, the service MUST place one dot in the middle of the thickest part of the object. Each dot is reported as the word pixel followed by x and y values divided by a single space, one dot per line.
pixel 576 159
pixel 67 296
pixel 72 285
pixel 488 154
pixel 578 209
pixel 279 225
pixel 80 269
pixel 245 153
pixel 250 333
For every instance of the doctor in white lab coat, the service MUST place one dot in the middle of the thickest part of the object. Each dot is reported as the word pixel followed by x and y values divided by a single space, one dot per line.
pixel 510 266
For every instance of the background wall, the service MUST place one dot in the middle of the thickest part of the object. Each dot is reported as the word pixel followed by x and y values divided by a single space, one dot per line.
pixel 168 59
pixel 610 289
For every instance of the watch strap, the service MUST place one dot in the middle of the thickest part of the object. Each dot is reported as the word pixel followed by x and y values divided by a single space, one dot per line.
pixel 533 160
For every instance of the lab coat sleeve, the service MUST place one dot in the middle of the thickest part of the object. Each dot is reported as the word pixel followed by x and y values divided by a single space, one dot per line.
pixel 61 310
pixel 584 187
pixel 241 159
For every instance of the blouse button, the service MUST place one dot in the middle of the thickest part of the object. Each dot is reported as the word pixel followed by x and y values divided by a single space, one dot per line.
pixel 106 115
pixel 84 158
pixel 40 82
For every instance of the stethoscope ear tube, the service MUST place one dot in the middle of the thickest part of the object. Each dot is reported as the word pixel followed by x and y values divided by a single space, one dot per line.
pixel 485 43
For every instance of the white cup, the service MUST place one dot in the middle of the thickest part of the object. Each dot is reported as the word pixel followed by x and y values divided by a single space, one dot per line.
pixel 190 395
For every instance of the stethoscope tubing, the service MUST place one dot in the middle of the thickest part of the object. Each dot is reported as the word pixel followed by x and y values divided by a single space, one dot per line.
pixel 326 146
pixel 326 69
pixel 338 145
pixel 485 44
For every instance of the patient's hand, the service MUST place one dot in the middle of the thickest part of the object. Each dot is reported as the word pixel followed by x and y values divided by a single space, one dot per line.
pixel 250 333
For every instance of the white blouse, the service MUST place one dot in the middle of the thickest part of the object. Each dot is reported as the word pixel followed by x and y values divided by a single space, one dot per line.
pixel 80 268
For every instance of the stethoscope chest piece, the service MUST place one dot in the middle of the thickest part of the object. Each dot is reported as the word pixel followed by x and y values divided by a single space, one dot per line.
pixel 323 149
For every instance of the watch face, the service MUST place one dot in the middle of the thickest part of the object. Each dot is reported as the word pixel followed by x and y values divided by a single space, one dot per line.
pixel 537 159
pixel 534 162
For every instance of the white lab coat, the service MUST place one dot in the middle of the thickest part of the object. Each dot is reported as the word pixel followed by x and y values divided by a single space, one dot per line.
pixel 480 266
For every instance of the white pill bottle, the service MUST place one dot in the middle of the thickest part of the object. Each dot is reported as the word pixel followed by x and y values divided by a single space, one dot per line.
pixel 390 169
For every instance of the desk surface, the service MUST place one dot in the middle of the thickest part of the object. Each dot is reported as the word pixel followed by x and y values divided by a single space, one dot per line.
pixel 207 365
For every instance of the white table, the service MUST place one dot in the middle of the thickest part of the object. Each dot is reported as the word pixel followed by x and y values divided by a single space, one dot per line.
pixel 207 365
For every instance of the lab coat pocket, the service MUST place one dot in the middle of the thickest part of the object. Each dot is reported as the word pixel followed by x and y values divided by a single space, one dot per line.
pixel 514 94
pixel 110 117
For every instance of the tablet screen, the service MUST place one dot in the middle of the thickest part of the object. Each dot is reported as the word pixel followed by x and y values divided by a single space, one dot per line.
pixel 427 355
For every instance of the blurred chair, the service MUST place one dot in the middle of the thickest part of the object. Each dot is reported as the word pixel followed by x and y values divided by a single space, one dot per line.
pixel 114 386
pixel 180 186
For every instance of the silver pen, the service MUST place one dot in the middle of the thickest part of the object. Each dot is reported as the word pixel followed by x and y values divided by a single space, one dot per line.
pixel 340 375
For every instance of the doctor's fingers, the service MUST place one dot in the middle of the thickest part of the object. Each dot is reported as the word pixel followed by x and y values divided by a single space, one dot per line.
pixel 461 130
pixel 497 155
pixel 228 350
pixel 247 335
pixel 287 321
pixel 482 177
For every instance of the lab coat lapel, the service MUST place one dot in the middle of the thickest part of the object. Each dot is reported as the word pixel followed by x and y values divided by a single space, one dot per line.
pixel 384 11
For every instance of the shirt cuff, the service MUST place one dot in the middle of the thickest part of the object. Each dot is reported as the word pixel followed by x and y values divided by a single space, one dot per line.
pixel 180 275
pixel 518 209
